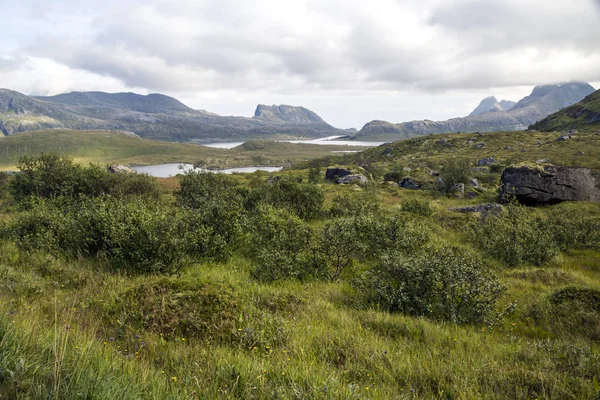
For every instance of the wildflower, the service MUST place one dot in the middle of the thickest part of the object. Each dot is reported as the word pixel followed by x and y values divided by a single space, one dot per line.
pixel 239 329
pixel 367 388
pixel 174 378
pixel 183 339
pixel 283 373
pixel 136 336
pixel 111 339
pixel 265 371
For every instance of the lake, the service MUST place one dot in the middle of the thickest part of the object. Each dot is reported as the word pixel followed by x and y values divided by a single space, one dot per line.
pixel 167 170
pixel 330 140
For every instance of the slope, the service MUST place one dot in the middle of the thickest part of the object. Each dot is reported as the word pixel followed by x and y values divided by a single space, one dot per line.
pixel 582 115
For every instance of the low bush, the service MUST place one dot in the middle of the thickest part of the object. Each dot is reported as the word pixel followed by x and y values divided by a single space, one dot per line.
pixel 418 207
pixel 444 284
pixel 395 174
pixel 515 236
pixel 453 172
pixel 573 229
pixel 361 203
pixel 303 199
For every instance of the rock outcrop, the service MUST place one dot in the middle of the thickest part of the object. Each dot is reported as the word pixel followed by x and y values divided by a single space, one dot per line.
pixel 490 104
pixel 536 185
pixel 333 174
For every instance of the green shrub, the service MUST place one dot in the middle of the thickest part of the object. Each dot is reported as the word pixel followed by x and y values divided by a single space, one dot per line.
pixel 51 176
pixel 444 284
pixel 303 199
pixel 573 229
pixel 282 246
pixel 453 172
pixel 395 174
pixel 418 207
pixel 314 173
pixel 572 312
pixel 496 168
pixel 4 183
pixel 365 202
pixel 515 236
pixel 341 242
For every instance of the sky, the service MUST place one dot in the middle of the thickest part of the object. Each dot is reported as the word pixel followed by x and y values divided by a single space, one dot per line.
pixel 350 61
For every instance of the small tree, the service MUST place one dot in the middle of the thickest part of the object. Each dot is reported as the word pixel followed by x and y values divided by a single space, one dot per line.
pixel 453 172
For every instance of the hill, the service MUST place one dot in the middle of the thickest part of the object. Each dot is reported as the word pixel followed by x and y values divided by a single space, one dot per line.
pixel 582 115
pixel 107 147
pixel 543 101
pixel 152 116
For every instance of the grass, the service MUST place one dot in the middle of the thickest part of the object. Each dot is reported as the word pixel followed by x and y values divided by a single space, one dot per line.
pixel 106 147
pixel 75 328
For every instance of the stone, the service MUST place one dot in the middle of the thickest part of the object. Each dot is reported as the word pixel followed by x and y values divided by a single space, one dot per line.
pixel 486 161
pixel 537 185
pixel 480 169
pixel 118 169
pixel 479 146
pixel 474 182
pixel 458 189
pixel 435 173
pixel 562 138
pixel 358 179
pixel 484 209
pixel 332 174
pixel 581 153
pixel 508 148
pixel 442 141
pixel 539 143
pixel 543 161
pixel 409 183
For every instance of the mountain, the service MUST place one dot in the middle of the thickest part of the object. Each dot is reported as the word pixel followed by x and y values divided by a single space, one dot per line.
pixel 286 113
pixel 153 116
pixel 543 101
pixel 582 115
pixel 490 104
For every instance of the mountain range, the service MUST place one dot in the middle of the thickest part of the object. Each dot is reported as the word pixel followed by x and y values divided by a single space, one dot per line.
pixel 543 101
pixel 156 116
pixel 582 115
pixel 153 116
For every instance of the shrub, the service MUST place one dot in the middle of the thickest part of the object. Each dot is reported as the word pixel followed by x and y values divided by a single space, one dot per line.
pixel 303 199
pixel 341 241
pixel 51 176
pixel 453 172
pixel 570 312
pixel 573 229
pixel 282 247
pixel 365 202
pixel 314 173
pixel 515 236
pixel 4 182
pixel 444 284
pixel 496 168
pixel 395 174
pixel 418 207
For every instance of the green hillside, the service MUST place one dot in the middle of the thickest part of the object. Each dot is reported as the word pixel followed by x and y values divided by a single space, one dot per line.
pixel 582 115
pixel 106 147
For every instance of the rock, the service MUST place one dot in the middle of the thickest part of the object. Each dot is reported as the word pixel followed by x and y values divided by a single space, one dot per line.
pixel 471 195
pixel 407 169
pixel 486 161
pixel 387 150
pixel 562 138
pixel 332 174
pixel 480 146
pixel 442 141
pixel 474 182
pixel 581 153
pixel 359 179
pixel 458 189
pixel 435 173
pixel 408 183
pixel 533 185
pixel 539 143
pixel 273 179
pixel 543 161
pixel 480 169
pixel 508 148
pixel 118 169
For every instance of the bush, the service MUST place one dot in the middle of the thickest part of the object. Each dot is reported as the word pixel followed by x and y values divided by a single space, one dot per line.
pixel 515 236
pixel 4 183
pixel 303 199
pixel 573 229
pixel 443 284
pixel 453 172
pixel 365 202
pixel 314 173
pixel 50 176
pixel 572 312
pixel 282 246
pixel 418 207
pixel 394 175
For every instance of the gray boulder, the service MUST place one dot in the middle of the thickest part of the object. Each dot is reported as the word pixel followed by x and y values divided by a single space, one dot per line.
pixel 358 179
pixel 118 169
pixel 458 189
pixel 486 161
pixel 532 185
pixel 335 173
pixel 408 183
pixel 562 138
pixel 475 183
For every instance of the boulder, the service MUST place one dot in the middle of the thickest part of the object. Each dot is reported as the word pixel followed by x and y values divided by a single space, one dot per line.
pixel 458 189
pixel 118 169
pixel 533 185
pixel 474 182
pixel 332 174
pixel 562 138
pixel 479 146
pixel 486 161
pixel 359 179
pixel 408 183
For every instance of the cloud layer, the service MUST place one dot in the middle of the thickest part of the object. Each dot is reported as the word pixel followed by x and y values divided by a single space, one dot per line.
pixel 215 51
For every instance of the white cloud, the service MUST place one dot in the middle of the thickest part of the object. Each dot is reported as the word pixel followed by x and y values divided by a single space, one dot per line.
pixel 381 59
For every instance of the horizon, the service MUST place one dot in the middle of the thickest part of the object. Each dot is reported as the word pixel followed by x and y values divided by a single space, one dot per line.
pixel 418 60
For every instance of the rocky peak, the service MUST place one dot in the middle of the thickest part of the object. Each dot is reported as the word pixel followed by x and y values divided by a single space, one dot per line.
pixel 491 104
pixel 285 113
pixel 556 96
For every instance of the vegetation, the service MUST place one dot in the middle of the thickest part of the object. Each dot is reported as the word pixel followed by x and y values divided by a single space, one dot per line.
pixel 269 286
pixel 582 115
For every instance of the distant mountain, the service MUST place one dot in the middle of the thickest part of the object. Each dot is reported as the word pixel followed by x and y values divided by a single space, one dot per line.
pixel 543 101
pixel 285 113
pixel 582 115
pixel 153 116
pixel 490 104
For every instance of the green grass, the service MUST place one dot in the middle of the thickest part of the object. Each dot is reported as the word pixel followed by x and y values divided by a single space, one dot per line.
pixel 107 147
pixel 296 340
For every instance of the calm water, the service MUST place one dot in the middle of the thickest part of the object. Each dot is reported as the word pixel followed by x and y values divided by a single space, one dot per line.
pixel 331 140
pixel 167 170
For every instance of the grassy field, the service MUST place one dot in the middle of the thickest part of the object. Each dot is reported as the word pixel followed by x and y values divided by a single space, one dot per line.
pixel 76 328
pixel 110 147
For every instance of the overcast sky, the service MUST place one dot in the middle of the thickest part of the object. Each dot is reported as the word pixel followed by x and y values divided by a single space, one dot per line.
pixel 351 61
